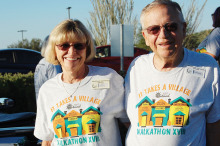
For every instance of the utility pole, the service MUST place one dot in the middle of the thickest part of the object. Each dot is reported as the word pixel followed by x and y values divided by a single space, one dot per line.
pixel 22 31
pixel 69 11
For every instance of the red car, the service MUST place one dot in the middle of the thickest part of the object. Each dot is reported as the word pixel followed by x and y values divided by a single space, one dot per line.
pixel 103 58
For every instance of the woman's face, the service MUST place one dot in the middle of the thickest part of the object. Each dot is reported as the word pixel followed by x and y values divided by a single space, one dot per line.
pixel 71 55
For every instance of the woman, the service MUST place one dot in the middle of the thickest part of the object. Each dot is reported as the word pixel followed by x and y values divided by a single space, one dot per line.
pixel 211 44
pixel 79 105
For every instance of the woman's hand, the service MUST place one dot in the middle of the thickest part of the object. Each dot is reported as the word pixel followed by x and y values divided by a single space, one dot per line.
pixel 46 143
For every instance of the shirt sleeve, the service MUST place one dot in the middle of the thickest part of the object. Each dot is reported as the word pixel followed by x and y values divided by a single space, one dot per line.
pixel 120 100
pixel 213 42
pixel 39 76
pixel 42 130
pixel 213 115
pixel 53 70
pixel 113 104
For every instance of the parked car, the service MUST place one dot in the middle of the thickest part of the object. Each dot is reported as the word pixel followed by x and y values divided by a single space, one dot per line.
pixel 103 58
pixel 18 60
pixel 16 128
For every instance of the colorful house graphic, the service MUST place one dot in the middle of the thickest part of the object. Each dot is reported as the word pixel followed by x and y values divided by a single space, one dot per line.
pixel 144 112
pixel 179 112
pixel 160 113
pixel 73 122
pixel 91 120
pixel 59 124
pixel 201 50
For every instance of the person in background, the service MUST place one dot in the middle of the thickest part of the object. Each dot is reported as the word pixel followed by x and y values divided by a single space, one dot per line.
pixel 211 44
pixel 44 70
pixel 79 106
pixel 172 95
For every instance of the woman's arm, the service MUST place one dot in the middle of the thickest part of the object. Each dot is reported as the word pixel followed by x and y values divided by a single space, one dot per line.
pixel 46 143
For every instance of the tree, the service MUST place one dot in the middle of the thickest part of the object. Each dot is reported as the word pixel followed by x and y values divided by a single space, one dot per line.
pixel 141 41
pixel 107 13
pixel 196 39
pixel 193 19
pixel 34 44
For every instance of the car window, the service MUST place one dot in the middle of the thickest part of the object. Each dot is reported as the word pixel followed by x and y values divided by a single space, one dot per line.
pixel 102 52
pixel 27 57
pixel 6 57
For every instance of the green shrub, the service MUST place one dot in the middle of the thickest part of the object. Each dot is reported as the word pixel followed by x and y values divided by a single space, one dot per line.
pixel 20 88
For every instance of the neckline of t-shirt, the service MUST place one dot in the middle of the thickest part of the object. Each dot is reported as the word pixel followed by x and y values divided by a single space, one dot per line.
pixel 75 85
pixel 173 71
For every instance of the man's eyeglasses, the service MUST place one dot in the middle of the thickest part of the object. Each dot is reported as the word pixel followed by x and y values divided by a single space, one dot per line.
pixel 66 46
pixel 155 29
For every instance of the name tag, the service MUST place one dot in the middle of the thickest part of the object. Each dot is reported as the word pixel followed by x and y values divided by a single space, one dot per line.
pixel 199 72
pixel 100 84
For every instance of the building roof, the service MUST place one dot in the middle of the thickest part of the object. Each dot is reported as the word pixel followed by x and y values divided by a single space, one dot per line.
pixel 73 114
pixel 180 98
pixel 91 122
pixel 56 113
pixel 179 113
pixel 92 108
pixel 161 103
pixel 144 99
pixel 144 114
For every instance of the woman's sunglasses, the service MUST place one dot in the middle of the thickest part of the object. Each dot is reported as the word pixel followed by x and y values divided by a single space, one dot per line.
pixel 66 46
pixel 155 29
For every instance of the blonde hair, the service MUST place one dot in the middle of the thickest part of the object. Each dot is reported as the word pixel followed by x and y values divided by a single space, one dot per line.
pixel 69 31
pixel 157 3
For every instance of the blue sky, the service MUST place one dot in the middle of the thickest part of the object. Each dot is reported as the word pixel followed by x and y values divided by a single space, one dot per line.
pixel 39 17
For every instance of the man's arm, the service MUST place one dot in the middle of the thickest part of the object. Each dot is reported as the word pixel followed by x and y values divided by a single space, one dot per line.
pixel 211 55
pixel 213 134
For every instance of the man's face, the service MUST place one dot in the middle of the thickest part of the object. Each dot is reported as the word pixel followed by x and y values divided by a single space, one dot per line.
pixel 165 44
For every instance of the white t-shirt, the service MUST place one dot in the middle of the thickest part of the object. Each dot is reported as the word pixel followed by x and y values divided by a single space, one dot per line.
pixel 43 72
pixel 172 108
pixel 88 118
pixel 211 43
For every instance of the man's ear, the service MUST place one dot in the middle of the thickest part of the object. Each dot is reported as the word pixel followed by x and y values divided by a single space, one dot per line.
pixel 145 38
pixel 184 29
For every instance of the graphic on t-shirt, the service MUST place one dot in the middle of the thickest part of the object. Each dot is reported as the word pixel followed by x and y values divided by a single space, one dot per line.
pixel 179 112
pixel 201 50
pixel 76 123
pixel 162 113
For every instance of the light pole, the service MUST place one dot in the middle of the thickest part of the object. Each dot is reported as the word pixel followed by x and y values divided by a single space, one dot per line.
pixel 69 11
pixel 22 31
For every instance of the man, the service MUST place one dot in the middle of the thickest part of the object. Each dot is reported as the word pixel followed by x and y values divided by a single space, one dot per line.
pixel 211 44
pixel 44 70
pixel 172 93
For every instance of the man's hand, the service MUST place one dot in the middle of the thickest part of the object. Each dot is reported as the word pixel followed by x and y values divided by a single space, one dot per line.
pixel 213 134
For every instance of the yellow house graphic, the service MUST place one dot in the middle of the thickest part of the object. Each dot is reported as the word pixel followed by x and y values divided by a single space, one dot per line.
pixel 59 124
pixel 179 112
pixel 144 112
pixel 91 120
